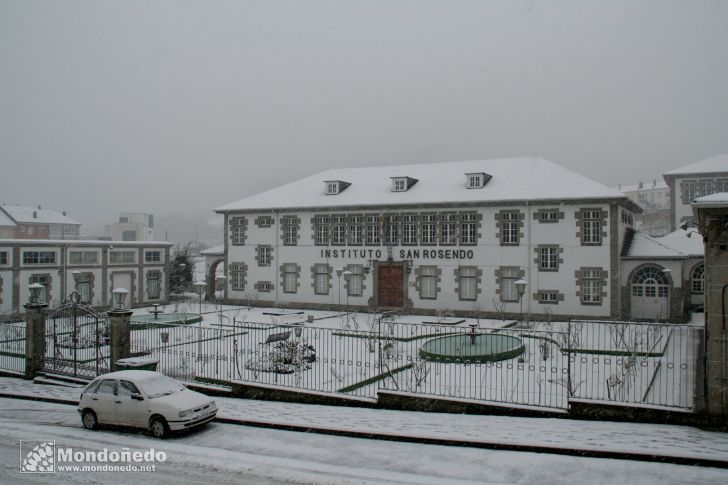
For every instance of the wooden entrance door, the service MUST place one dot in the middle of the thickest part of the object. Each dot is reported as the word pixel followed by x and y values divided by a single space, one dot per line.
pixel 391 286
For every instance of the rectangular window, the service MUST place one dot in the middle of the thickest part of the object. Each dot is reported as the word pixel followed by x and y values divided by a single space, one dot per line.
pixel 83 257
pixel 290 231
pixel 510 228
pixel 721 185
pixel 321 279
pixel 449 229
pixel 391 230
pixel 128 235
pixel 591 227
pixel 468 283
pixel 264 286
pixel 237 276
pixel 400 185
pixel 548 215
pixel 689 190
pixel 122 257
pixel 39 257
pixel 591 286
pixel 332 188
pixel 83 286
pixel 338 230
pixel 409 229
pixel 475 181
pixel 152 256
pixel 154 287
pixel 237 231
pixel 428 282
pixel 429 229
pixel 264 255
pixel 355 283
pixel 290 278
pixel 355 231
pixel 321 230
pixel 3 257
pixel 468 228
pixel 705 187
pixel 373 230
pixel 548 259
pixel 508 278
pixel 548 297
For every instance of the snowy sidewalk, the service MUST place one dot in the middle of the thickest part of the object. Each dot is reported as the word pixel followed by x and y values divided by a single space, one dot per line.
pixel 677 444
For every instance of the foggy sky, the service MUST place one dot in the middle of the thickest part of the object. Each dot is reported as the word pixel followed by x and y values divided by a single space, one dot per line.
pixel 164 106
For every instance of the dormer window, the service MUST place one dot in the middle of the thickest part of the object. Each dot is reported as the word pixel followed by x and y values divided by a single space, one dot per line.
pixel 476 180
pixel 402 184
pixel 334 187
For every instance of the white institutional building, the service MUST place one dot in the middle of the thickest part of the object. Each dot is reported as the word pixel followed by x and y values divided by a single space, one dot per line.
pixel 458 236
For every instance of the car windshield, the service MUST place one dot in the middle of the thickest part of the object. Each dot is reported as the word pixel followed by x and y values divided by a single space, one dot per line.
pixel 160 386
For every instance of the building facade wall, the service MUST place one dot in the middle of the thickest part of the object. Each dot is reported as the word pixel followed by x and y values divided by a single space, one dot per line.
pixel 684 188
pixel 494 258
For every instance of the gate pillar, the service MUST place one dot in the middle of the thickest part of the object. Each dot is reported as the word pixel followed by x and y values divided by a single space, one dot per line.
pixel 120 333
pixel 35 344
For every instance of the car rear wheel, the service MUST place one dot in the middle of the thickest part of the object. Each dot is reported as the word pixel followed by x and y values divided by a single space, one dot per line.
pixel 88 418
pixel 158 427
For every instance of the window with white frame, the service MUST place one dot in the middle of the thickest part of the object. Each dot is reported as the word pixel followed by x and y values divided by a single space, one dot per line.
pixel 391 229
pixel 548 215
pixel 237 231
pixel 468 284
pixel 321 279
pixel 689 190
pixel 373 230
pixel 83 257
pixel 355 280
pixel 237 276
pixel 721 185
pixel 122 257
pixel 409 229
pixel 332 188
pixel 510 228
pixel 399 185
pixel 475 180
pixel 705 187
pixel 428 282
pixel 355 231
pixel 83 286
pixel 338 230
pixel 152 256
pixel 508 278
pixel 264 253
pixel 290 278
pixel 321 230
pixel 449 229
pixel 548 258
pixel 591 286
pixel 468 228
pixel 698 280
pixel 429 229
pixel 39 257
pixel 548 296
pixel 290 231
pixel 154 285
pixel 3 258
pixel 591 226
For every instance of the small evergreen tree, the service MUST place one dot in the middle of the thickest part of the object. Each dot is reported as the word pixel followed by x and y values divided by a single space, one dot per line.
pixel 180 276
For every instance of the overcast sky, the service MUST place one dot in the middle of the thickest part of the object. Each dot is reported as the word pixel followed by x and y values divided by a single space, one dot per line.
pixel 164 106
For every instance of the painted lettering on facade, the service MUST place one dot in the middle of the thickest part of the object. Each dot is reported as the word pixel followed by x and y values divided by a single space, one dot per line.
pixel 403 253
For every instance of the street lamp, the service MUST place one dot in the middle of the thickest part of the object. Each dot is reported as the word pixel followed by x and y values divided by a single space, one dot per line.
pixel 119 298
pixel 200 287
pixel 221 279
pixel 521 288
pixel 35 293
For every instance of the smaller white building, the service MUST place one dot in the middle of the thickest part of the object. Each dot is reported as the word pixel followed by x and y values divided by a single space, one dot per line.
pixel 131 226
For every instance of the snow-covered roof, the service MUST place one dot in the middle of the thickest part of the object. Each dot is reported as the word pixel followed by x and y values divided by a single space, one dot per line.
pixel 5 220
pixel 83 242
pixel 678 244
pixel 214 251
pixel 513 179
pixel 655 185
pixel 24 214
pixel 713 200
pixel 719 163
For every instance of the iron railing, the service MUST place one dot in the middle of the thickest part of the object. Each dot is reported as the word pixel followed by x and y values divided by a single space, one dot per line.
pixel 12 345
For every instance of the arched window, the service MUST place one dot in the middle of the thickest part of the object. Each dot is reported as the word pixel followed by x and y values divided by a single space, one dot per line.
pixel 698 285
pixel 650 282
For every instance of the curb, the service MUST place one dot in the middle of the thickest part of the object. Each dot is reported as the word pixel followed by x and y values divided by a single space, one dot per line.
pixel 619 455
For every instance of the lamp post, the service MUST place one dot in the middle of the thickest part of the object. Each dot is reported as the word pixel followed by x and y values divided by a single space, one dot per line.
pixel 200 287
pixel 119 298
pixel 339 271
pixel 521 288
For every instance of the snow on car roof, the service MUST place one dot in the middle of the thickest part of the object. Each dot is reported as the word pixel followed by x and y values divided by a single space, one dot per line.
pixel 138 375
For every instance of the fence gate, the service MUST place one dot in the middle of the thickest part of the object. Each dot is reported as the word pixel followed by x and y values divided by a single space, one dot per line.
pixel 77 341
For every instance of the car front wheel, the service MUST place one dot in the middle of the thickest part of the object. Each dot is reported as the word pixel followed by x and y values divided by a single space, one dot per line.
pixel 89 420
pixel 158 427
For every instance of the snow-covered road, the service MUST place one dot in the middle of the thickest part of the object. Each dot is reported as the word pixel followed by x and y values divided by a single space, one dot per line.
pixel 225 453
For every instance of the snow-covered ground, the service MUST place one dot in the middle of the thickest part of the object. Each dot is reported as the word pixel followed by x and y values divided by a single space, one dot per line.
pixel 226 453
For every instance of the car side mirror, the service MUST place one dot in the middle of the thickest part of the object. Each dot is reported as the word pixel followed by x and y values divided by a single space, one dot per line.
pixel 137 397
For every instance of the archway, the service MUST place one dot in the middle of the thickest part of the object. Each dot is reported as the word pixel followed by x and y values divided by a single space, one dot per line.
pixel 211 282
pixel 650 292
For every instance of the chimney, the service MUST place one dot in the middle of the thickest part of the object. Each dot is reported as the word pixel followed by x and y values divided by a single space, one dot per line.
pixel 35 214
pixel 64 213
pixel 641 185
pixel 39 207
pixel 654 183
